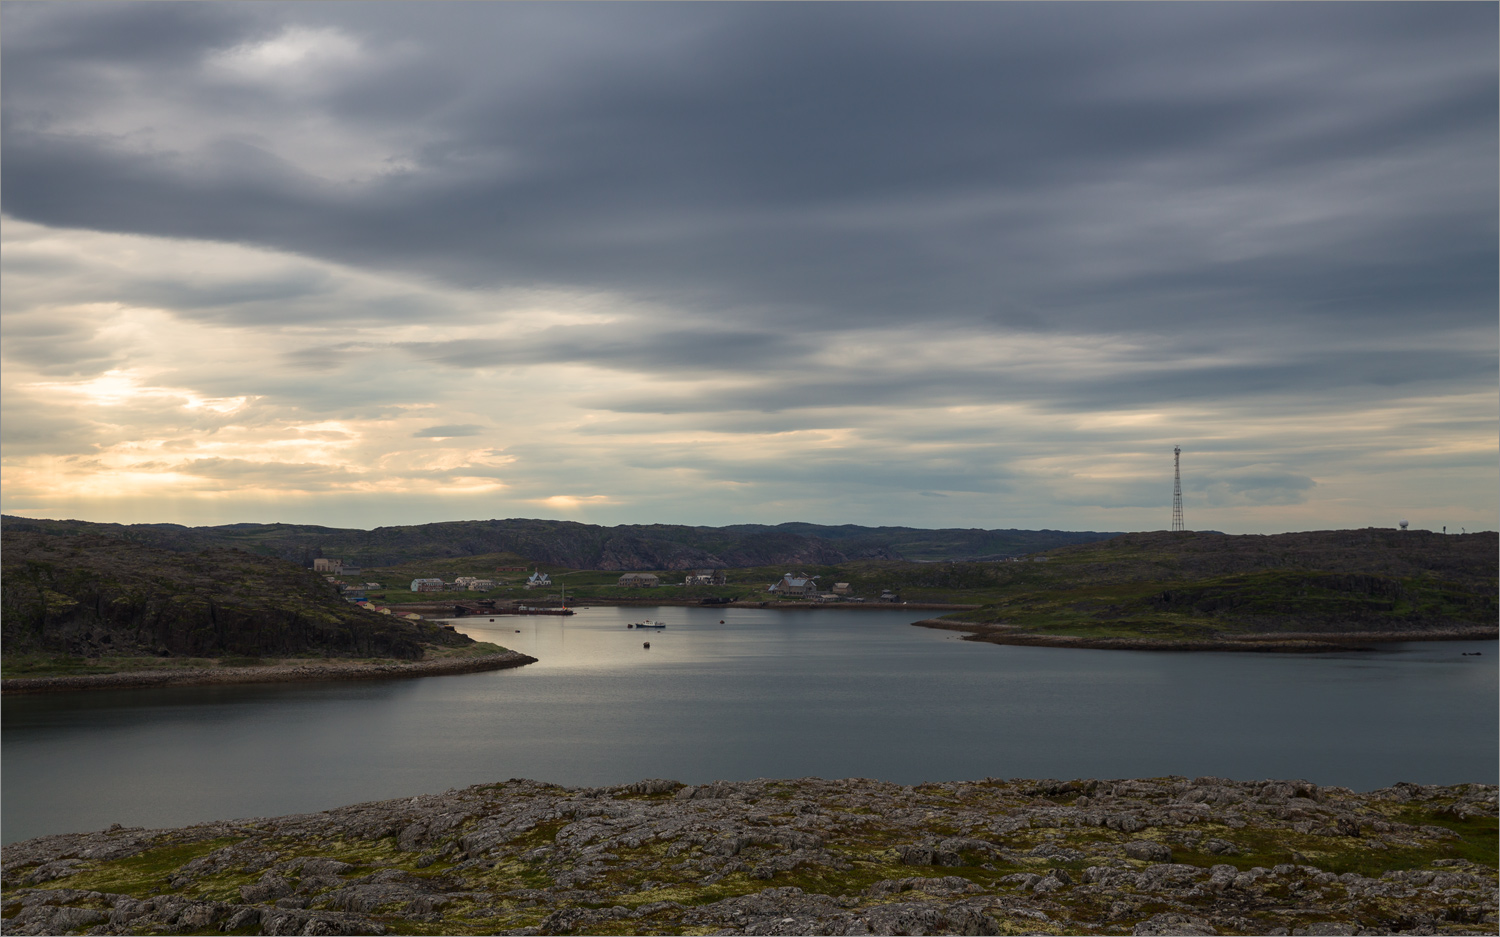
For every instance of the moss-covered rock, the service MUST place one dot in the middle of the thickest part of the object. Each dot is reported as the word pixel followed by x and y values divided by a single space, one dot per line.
pixel 807 856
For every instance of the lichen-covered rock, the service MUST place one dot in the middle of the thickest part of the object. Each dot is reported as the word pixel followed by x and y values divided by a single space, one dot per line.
pixel 1148 851
pixel 804 856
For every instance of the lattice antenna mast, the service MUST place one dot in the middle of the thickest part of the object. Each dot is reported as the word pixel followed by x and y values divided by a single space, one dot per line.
pixel 1177 488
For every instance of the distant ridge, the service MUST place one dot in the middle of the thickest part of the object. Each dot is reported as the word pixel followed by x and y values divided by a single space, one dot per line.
pixel 588 546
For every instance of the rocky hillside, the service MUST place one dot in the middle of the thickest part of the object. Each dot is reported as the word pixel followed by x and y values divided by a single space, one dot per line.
pixel 89 595
pixel 1152 857
pixel 584 546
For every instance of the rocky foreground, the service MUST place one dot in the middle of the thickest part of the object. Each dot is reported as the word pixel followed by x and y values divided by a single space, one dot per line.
pixel 1159 856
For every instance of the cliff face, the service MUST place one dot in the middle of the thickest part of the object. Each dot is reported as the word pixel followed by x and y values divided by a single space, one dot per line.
pixel 90 595
pixel 583 546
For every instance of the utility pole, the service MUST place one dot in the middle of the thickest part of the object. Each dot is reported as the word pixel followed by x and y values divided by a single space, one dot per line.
pixel 1177 488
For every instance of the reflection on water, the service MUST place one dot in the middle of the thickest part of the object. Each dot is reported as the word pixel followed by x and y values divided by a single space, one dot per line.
pixel 764 694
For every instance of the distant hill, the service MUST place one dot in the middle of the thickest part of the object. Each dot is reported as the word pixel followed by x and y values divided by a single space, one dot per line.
pixel 587 546
pixel 1194 585
pixel 94 595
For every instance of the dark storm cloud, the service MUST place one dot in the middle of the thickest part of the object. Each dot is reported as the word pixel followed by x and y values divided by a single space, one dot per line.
pixel 818 167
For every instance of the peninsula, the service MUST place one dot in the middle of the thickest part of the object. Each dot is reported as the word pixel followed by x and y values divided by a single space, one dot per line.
pixel 1156 856
pixel 94 611
pixel 1311 591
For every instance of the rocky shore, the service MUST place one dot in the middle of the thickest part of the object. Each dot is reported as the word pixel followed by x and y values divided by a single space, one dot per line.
pixel 1275 641
pixel 285 672
pixel 1152 857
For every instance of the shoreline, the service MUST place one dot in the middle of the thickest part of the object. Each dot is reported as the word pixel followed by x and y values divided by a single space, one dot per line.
pixel 1303 642
pixel 273 673
pixel 769 606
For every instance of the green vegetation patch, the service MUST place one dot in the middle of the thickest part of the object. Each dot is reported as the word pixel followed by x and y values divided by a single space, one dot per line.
pixel 141 875
pixel 1476 841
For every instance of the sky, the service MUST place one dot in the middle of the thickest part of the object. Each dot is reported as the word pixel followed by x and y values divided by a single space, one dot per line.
pixel 932 265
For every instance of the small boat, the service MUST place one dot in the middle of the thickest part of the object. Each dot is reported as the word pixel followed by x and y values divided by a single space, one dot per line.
pixel 647 624
pixel 646 645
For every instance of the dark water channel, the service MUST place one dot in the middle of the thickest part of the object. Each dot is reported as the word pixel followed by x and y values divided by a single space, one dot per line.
pixel 766 694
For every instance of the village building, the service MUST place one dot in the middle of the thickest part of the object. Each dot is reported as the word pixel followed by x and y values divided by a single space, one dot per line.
pixel 325 565
pixel 841 588
pixel 799 586
pixel 640 579
pixel 427 585
pixel 538 579
pixel 479 585
pixel 705 577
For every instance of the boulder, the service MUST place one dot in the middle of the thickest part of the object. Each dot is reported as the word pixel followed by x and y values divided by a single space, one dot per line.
pixel 1148 850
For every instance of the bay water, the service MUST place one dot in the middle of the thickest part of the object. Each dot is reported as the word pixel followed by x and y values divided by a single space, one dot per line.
pixel 746 693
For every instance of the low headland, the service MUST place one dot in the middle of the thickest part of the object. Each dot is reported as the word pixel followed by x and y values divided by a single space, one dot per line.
pixel 1154 856
pixel 1187 591
pixel 1280 642
pixel 150 672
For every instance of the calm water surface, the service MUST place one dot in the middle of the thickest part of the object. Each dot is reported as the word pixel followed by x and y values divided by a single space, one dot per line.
pixel 765 694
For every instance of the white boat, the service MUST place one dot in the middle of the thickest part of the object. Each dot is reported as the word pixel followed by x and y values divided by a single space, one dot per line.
pixel 647 624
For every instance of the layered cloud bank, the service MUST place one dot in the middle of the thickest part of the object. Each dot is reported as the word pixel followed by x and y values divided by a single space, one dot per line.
pixel 928 265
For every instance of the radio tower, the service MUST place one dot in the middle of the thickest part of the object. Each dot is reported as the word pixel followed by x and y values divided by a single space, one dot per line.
pixel 1177 488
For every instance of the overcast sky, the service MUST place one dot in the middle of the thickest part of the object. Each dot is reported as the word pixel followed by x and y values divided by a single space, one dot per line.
pixel 977 265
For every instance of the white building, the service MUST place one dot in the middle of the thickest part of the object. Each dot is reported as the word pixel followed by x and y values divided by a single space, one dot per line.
pixel 427 585
pixel 537 579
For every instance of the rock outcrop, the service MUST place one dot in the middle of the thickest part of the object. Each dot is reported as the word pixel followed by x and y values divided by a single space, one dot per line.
pixel 1157 857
